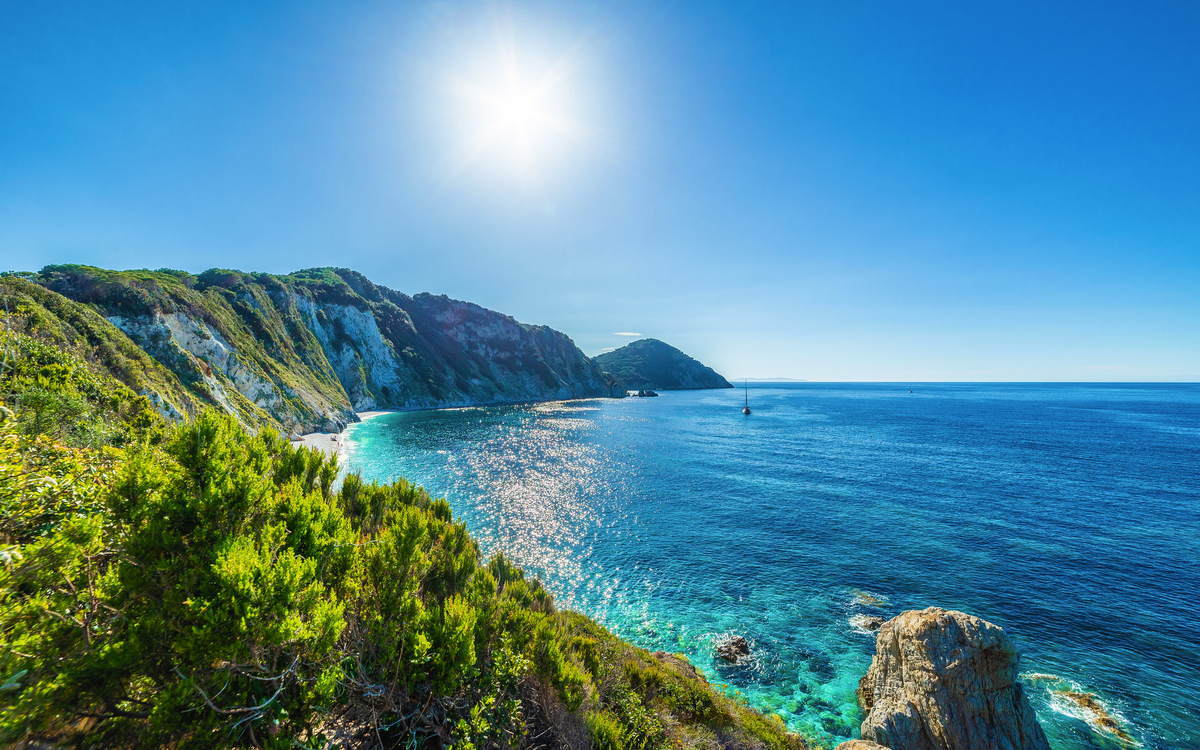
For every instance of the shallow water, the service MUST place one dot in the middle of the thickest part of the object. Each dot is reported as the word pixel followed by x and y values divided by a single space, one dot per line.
pixel 1066 513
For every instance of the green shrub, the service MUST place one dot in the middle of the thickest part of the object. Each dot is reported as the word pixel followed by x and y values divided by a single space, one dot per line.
pixel 771 730
pixel 642 728
pixel 585 649
pixel 605 731
pixel 692 703
pixel 217 591
pixel 646 682
pixel 214 589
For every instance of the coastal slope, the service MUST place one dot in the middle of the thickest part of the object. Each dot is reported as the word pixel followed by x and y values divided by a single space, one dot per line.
pixel 652 364
pixel 302 352
pixel 235 595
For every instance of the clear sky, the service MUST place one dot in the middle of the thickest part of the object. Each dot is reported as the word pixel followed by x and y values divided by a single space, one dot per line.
pixel 827 191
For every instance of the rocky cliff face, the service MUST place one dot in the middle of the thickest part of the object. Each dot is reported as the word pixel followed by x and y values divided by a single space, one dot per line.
pixel 944 680
pixel 651 364
pixel 302 352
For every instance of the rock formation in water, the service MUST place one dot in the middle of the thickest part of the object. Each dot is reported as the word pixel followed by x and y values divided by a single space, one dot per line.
pixel 867 622
pixel 300 352
pixel 733 649
pixel 859 745
pixel 649 364
pixel 944 680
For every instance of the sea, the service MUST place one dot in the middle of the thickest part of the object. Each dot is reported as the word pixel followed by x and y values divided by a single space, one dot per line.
pixel 1068 514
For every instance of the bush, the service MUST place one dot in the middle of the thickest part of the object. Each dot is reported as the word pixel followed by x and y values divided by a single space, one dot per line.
pixel 605 731
pixel 214 589
pixel 217 591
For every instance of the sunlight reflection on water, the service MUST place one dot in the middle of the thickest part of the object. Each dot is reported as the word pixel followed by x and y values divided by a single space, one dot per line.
pixel 675 521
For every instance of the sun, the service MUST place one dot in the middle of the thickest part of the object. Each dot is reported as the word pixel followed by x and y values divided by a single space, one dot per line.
pixel 518 112
pixel 515 112
pixel 520 116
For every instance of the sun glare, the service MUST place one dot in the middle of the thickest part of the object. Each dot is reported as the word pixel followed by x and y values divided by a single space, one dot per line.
pixel 517 111
pixel 519 115
pixel 514 112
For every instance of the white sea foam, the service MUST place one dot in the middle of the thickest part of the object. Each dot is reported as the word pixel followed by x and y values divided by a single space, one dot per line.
pixel 1070 698
pixel 859 624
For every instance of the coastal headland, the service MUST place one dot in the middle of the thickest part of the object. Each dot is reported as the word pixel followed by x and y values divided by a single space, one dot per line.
pixel 650 364
pixel 177 572
pixel 300 353
pixel 303 353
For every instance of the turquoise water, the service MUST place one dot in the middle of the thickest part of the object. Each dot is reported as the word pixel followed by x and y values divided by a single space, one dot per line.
pixel 1068 514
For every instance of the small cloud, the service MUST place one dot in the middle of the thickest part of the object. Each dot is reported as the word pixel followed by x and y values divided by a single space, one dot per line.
pixel 626 333
pixel 608 348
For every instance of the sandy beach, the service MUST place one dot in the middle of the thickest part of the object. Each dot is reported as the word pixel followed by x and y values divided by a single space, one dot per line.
pixel 334 442
pixel 365 415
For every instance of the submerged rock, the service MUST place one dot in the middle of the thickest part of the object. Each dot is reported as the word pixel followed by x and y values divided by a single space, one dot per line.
pixel 1090 706
pixel 867 622
pixel 733 649
pixel 867 599
pixel 944 680
pixel 1096 714
pixel 859 745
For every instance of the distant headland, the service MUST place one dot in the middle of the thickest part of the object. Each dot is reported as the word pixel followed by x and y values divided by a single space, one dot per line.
pixel 304 352
pixel 649 364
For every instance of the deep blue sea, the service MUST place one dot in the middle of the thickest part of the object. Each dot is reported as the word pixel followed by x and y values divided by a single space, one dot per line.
pixel 1068 514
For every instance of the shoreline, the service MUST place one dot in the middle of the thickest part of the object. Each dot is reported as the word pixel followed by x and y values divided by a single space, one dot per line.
pixel 335 442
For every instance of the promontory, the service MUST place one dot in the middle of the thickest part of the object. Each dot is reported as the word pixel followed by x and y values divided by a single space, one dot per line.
pixel 650 364
pixel 300 352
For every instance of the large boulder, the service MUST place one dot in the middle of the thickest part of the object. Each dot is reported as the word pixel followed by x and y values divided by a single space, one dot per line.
pixel 733 649
pixel 944 680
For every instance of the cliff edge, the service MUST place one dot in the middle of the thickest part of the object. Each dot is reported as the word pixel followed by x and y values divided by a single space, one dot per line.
pixel 299 352
pixel 649 364
pixel 944 680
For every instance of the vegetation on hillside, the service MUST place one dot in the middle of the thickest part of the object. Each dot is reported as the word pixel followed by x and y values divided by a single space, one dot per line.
pixel 83 351
pixel 193 585
pixel 652 364
pixel 252 313
pixel 299 351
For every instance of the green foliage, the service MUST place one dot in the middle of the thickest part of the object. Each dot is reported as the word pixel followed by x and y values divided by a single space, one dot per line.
pixel 691 702
pixel 45 483
pixel 643 730
pixel 643 701
pixel 585 650
pixel 198 586
pixel 495 719
pixel 646 682
pixel 66 360
pixel 606 731
pixel 565 675
pixel 216 590
pixel 58 395
pixel 769 729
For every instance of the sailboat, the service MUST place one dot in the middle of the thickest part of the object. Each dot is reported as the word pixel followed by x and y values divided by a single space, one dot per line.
pixel 747 387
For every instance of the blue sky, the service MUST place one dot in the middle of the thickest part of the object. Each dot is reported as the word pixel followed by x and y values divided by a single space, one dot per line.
pixel 827 191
